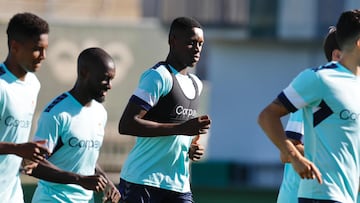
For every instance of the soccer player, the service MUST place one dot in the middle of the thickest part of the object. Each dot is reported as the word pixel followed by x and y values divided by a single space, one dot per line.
pixel 19 87
pixel 162 114
pixel 329 98
pixel 294 131
pixel 73 123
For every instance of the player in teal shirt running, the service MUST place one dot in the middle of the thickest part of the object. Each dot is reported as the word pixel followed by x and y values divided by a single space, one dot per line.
pixel 19 88
pixel 329 98
pixel 74 125
pixel 162 113
pixel 294 130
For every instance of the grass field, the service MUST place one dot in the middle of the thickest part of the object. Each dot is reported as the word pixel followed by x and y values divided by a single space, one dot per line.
pixel 203 188
pixel 234 195
pixel 203 195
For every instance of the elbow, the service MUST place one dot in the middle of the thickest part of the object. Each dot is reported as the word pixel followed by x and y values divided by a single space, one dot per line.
pixel 260 118
pixel 125 128
pixel 121 128
pixel 268 115
pixel 122 125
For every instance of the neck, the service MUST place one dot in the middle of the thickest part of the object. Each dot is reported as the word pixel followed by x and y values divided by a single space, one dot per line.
pixel 78 94
pixel 351 63
pixel 181 68
pixel 15 68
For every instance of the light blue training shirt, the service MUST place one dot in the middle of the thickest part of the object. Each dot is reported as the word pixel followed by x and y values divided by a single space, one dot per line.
pixel 329 96
pixel 75 134
pixel 291 180
pixel 17 105
pixel 160 162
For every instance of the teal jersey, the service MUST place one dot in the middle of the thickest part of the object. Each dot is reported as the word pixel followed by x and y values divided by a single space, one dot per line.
pixel 291 180
pixel 17 105
pixel 329 96
pixel 160 162
pixel 75 134
pixel 289 186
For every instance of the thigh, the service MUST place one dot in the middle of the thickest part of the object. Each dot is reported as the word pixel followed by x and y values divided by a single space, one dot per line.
pixel 176 197
pixel 306 200
pixel 133 193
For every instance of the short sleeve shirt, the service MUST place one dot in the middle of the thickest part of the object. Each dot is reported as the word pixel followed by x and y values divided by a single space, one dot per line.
pixel 75 134
pixel 329 96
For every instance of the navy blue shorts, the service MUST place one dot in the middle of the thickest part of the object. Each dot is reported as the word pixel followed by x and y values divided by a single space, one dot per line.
pixel 305 200
pixel 136 193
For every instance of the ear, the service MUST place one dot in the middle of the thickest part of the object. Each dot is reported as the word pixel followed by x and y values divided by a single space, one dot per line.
pixel 172 40
pixel 336 55
pixel 14 46
pixel 83 72
pixel 358 42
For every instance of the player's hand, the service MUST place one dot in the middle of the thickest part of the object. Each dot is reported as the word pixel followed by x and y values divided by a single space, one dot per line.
pixel 196 150
pixel 196 126
pixel 111 194
pixel 27 166
pixel 306 169
pixel 96 183
pixel 33 151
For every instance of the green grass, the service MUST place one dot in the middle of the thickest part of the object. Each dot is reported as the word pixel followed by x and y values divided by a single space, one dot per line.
pixel 234 195
pixel 203 195
pixel 29 190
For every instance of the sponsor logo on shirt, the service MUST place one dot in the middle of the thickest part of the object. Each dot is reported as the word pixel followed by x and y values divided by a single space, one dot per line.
pixel 75 142
pixel 180 110
pixel 348 115
pixel 10 121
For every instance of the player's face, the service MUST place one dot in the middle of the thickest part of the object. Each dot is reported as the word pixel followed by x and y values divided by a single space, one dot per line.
pixel 101 81
pixel 30 53
pixel 188 46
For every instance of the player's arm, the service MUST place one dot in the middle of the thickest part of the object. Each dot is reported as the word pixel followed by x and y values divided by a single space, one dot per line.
pixel 34 151
pixel 132 123
pixel 49 172
pixel 299 146
pixel 270 121
pixel 294 132
pixel 49 128
pixel 111 192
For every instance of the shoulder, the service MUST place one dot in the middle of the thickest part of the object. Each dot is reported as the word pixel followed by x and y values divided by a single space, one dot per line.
pixel 328 66
pixel 330 69
pixel 60 110
pixel 31 77
pixel 325 74
pixel 157 72
pixel 99 107
pixel 33 80
pixel 310 76
pixel 156 80
pixel 50 107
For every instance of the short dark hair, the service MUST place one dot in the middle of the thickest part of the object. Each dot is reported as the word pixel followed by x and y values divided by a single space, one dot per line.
pixel 183 23
pixel 25 26
pixel 92 56
pixel 330 43
pixel 348 28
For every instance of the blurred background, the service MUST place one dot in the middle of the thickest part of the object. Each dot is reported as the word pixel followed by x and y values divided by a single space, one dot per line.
pixel 252 50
